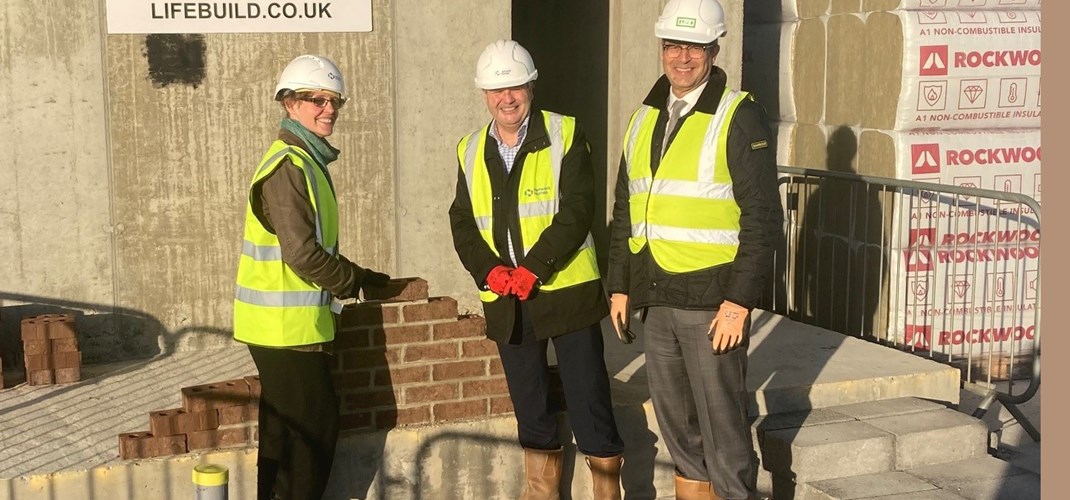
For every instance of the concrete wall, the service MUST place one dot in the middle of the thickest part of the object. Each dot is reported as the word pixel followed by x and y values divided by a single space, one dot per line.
pixel 129 156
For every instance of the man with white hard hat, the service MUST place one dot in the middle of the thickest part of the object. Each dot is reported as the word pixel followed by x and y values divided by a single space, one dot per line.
pixel 521 223
pixel 696 216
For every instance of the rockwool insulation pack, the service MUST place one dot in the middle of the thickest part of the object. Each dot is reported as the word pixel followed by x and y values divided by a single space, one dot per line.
pixel 948 70
pixel 784 67
pixel 1003 160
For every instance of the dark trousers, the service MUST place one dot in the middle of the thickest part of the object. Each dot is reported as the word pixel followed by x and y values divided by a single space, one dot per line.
pixel 582 367
pixel 298 423
pixel 700 400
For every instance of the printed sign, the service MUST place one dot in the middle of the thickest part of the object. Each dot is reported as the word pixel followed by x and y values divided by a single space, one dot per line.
pixel 246 16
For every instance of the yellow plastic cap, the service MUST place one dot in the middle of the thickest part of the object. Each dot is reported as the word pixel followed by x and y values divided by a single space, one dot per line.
pixel 210 475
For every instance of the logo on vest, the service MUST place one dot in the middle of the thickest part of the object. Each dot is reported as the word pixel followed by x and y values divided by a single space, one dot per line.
pixel 539 191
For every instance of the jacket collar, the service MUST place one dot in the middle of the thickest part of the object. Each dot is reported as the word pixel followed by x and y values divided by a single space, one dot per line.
pixel 536 137
pixel 707 102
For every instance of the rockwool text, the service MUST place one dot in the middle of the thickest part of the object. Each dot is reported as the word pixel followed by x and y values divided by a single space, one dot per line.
pixel 236 10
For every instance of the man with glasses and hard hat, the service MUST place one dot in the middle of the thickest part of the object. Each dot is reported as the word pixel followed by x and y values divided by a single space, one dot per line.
pixel 521 224
pixel 290 271
pixel 696 216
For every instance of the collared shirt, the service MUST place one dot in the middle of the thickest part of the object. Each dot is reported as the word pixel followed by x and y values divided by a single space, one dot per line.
pixel 690 98
pixel 508 155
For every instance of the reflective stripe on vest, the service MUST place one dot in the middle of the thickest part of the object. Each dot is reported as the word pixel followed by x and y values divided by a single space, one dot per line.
pixel 274 306
pixel 687 211
pixel 538 196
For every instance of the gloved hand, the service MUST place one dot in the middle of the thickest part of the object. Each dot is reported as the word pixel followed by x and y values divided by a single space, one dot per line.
pixel 374 279
pixel 498 279
pixel 523 283
pixel 726 330
pixel 619 315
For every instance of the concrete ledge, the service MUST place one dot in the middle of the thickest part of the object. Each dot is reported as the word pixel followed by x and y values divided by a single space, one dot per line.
pixel 916 437
pixel 867 486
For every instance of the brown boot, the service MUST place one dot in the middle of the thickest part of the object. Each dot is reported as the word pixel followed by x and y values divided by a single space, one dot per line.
pixel 542 474
pixel 605 476
pixel 692 489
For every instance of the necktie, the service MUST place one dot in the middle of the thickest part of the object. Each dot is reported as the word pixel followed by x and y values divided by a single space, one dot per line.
pixel 674 116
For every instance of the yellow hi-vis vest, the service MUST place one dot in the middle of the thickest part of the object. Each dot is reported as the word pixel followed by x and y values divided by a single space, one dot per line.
pixel 273 306
pixel 686 212
pixel 538 198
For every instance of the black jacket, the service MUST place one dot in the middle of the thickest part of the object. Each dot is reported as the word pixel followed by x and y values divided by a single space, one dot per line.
pixel 552 313
pixel 752 166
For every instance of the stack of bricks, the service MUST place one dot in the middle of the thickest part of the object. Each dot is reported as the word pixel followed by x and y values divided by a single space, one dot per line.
pixel 403 358
pixel 51 350
pixel 212 415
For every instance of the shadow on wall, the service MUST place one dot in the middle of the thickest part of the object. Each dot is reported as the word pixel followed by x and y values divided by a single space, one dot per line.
pixel 105 333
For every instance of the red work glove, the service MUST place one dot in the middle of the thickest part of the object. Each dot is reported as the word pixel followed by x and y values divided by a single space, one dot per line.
pixel 498 279
pixel 523 283
pixel 726 330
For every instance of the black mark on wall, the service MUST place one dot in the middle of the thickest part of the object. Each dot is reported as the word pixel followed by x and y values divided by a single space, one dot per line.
pixel 175 59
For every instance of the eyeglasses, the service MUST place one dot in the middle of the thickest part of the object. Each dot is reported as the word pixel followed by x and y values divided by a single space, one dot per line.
pixel 675 50
pixel 321 102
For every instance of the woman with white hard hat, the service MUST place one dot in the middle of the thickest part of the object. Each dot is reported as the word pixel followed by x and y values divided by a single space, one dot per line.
pixel 289 275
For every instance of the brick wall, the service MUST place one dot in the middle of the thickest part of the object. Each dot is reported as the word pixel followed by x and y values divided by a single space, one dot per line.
pixel 401 358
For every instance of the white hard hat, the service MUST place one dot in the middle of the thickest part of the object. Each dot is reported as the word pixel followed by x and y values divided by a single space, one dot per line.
pixel 312 73
pixel 504 63
pixel 695 21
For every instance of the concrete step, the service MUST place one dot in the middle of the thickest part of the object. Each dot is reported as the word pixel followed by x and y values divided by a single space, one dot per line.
pixel 982 478
pixel 864 439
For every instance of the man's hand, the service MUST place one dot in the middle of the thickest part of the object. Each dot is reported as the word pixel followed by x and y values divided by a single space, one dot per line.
pixel 726 330
pixel 619 315
pixel 523 283
pixel 498 279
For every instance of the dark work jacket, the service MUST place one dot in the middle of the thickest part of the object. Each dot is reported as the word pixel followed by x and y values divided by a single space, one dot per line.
pixel 752 166
pixel 551 313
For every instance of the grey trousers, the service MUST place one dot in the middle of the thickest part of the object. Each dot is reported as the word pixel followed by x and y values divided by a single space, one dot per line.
pixel 700 400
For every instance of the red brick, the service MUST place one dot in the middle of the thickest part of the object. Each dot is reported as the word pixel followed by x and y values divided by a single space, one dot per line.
pixel 500 405
pixel 178 421
pixel 215 395
pixel 408 375
pixel 68 375
pixel 134 445
pixel 33 328
pixel 369 399
pixel 351 339
pixel 232 415
pixel 35 362
pixel 66 359
pixel 398 289
pixel 61 327
pixel 431 352
pixel 217 438
pixel 431 393
pixel 254 386
pixel 496 367
pixel 40 377
pixel 435 308
pixel 460 369
pixel 369 314
pixel 352 380
pixel 358 420
pixel 64 345
pixel 36 346
pixel 483 388
pixel 386 419
pixel 479 348
pixel 406 334
pixel 463 410
pixel 370 358
pixel 464 327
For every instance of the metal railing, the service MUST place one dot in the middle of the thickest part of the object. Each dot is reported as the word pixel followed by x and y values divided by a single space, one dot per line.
pixel 951 273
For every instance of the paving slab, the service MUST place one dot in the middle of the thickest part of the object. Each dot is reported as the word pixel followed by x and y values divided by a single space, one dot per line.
pixel 828 451
pixel 888 408
pixel 866 486
pixel 933 437
pixel 982 478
